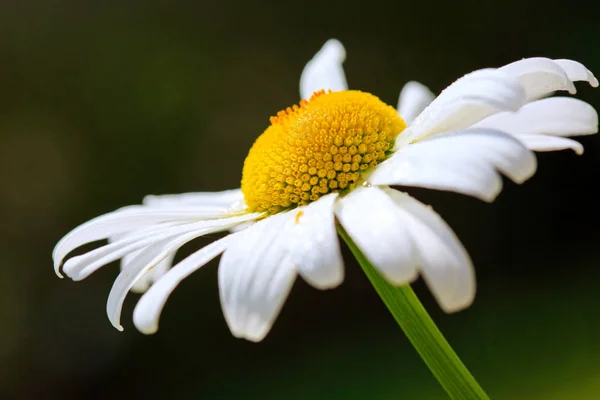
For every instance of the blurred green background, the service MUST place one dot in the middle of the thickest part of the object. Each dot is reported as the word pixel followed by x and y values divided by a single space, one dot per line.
pixel 103 102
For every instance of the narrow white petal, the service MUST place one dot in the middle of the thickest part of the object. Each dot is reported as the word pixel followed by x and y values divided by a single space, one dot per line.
pixel 558 116
pixel 313 244
pixel 325 70
pixel 539 76
pixel 126 259
pixel 148 309
pixel 241 227
pixel 542 76
pixel 467 101
pixel 146 280
pixel 146 259
pixel 414 97
pixel 472 180
pixel 577 72
pixel 462 162
pixel 445 264
pixel 218 199
pixel 549 143
pixel 80 267
pixel 131 273
pixel 126 220
pixel 494 147
pixel 255 277
pixel 373 222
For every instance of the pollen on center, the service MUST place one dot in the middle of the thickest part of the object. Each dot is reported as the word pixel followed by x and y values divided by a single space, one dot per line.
pixel 324 145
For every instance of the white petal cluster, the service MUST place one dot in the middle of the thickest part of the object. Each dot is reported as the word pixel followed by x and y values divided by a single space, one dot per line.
pixel 484 125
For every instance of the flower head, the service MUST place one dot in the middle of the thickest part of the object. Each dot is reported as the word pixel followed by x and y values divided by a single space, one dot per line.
pixel 331 160
pixel 325 145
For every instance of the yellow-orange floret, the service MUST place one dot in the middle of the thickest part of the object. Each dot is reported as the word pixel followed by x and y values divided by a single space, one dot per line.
pixel 323 145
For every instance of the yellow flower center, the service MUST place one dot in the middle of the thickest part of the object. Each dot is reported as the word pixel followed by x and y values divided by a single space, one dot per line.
pixel 324 145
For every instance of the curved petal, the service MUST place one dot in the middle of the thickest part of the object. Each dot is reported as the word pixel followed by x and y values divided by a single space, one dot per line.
pixel 542 76
pixel 129 219
pixel 325 70
pixel 462 162
pixel 414 97
pixel 80 267
pixel 143 283
pixel 226 198
pixel 373 222
pixel 255 278
pixel 467 101
pixel 558 116
pixel 143 263
pixel 146 280
pixel 444 262
pixel 313 244
pixel 576 71
pixel 549 143
pixel 148 309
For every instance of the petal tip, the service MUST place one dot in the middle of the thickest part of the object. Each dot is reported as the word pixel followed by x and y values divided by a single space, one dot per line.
pixel 454 308
pixel 254 336
pixel 145 325
pixel 325 283
pixel 57 271
pixel 148 329
pixel 335 46
pixel 463 301
pixel 404 278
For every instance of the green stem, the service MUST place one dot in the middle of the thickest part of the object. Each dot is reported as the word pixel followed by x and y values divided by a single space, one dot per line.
pixel 422 332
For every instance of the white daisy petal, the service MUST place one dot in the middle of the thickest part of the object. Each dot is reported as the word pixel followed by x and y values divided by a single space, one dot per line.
pixel 132 273
pixel 577 72
pixel 444 262
pixel 242 227
pixel 255 277
pixel 467 101
pixel 313 244
pixel 539 76
pixel 146 280
pixel 143 263
pixel 558 116
pixel 230 200
pixel 542 76
pixel 481 127
pixel 148 309
pixel 225 199
pixel 496 148
pixel 325 70
pixel 80 267
pixel 125 220
pixel 462 162
pixel 371 219
pixel 549 143
pixel 414 97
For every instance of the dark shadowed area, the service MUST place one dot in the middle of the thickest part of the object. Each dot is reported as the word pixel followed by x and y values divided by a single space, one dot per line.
pixel 104 102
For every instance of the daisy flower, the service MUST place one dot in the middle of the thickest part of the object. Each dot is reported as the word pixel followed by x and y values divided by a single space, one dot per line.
pixel 331 161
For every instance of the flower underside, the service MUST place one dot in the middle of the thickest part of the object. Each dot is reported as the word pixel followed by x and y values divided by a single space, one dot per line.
pixel 324 145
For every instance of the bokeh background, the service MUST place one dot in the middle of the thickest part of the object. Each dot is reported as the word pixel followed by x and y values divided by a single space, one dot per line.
pixel 103 102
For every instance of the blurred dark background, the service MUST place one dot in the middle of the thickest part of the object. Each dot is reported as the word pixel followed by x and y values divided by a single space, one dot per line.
pixel 104 102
